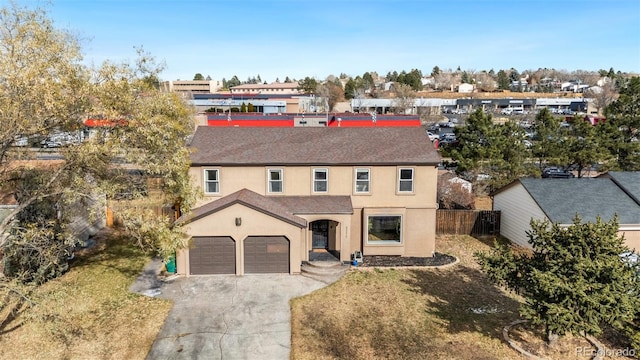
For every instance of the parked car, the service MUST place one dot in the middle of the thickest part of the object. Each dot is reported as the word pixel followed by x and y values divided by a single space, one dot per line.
pixel 557 173
pixel 447 137
pixel 431 135
pixel 20 141
pixel 50 143
pixel 506 111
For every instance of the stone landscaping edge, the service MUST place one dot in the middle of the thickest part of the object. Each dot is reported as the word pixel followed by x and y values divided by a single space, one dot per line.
pixel 372 268
pixel 505 333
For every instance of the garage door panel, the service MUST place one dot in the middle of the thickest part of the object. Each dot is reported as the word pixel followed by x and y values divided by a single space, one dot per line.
pixel 212 255
pixel 266 254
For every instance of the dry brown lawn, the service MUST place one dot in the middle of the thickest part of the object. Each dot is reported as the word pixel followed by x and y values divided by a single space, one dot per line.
pixel 89 312
pixel 452 313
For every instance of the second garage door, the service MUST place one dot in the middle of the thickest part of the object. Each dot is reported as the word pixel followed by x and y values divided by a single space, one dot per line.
pixel 212 255
pixel 266 254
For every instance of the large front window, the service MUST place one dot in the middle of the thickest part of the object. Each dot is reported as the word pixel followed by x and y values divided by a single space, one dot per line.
pixel 384 229
pixel 405 180
pixel 275 180
pixel 212 181
pixel 320 180
pixel 362 180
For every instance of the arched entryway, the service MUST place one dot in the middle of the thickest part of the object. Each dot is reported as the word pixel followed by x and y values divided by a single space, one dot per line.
pixel 324 236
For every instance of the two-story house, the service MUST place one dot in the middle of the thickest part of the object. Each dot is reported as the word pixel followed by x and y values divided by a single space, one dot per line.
pixel 273 195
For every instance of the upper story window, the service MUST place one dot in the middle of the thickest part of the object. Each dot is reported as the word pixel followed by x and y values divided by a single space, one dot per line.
pixel 212 181
pixel 320 180
pixel 275 180
pixel 363 181
pixel 405 180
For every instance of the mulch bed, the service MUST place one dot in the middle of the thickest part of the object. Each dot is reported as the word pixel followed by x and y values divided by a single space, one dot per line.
pixel 389 261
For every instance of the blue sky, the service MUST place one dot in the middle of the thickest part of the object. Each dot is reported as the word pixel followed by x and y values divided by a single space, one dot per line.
pixel 299 38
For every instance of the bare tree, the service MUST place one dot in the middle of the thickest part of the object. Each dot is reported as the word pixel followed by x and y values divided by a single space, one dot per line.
pixel 404 98
pixel 332 93
pixel 454 195
pixel 586 77
pixel 445 80
pixel 485 82
pixel 602 96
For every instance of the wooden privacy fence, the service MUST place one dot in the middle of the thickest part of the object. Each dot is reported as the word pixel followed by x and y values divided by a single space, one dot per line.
pixel 114 207
pixel 467 222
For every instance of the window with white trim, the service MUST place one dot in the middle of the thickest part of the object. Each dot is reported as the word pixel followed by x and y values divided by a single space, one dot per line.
pixel 384 229
pixel 405 180
pixel 212 181
pixel 275 180
pixel 363 180
pixel 320 180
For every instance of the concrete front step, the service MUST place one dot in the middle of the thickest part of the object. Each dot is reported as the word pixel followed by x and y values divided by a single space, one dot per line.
pixel 322 270
pixel 326 272
pixel 323 264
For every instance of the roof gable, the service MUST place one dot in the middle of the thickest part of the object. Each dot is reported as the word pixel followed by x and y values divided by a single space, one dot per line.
pixel 628 181
pixel 249 199
pixel 312 146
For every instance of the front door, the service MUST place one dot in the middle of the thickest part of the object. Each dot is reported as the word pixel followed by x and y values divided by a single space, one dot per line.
pixel 320 234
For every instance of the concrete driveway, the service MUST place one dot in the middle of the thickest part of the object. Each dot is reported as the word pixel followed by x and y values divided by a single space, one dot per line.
pixel 229 317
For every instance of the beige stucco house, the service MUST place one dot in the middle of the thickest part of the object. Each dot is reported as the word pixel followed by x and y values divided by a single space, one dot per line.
pixel 559 200
pixel 273 195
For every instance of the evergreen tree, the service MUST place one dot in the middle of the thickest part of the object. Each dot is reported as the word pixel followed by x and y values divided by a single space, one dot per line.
pixel 547 147
pixel 308 85
pixel 243 108
pixel 234 81
pixel 582 147
pixel 514 75
pixel 573 282
pixel 493 149
pixel 350 89
pixel 198 76
pixel 465 78
pixel 368 81
pixel 621 128
pixel 251 108
pixel 435 71
pixel 503 80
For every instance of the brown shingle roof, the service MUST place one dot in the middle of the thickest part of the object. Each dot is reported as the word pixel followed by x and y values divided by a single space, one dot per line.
pixel 249 199
pixel 312 146
pixel 281 207
pixel 317 204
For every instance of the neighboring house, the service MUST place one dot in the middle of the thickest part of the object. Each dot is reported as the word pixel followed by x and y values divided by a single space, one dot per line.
pixel 273 195
pixel 275 88
pixel 187 88
pixel 559 200
pixel 465 88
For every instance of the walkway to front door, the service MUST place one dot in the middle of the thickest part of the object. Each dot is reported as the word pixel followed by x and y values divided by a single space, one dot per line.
pixel 320 234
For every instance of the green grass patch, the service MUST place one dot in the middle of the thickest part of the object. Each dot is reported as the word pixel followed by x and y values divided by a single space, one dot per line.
pixel 88 313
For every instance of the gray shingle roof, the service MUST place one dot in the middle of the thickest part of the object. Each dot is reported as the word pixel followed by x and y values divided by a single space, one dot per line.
pixel 561 199
pixel 312 146
pixel 629 181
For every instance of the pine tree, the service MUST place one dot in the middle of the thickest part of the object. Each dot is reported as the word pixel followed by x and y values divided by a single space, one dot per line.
pixel 574 281
pixel 503 80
